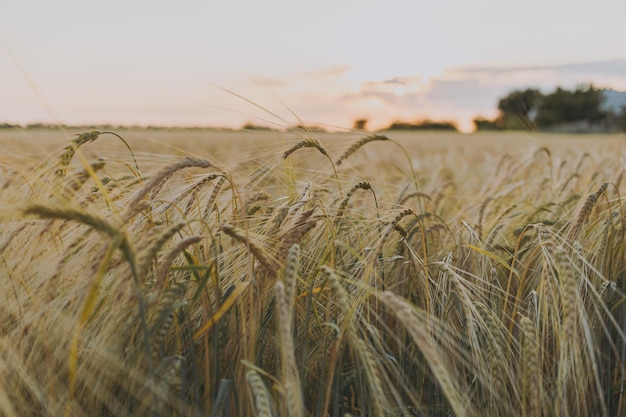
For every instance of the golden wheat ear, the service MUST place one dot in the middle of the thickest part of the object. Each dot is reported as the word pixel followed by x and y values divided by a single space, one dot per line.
pixel 358 145
pixel 85 137
pixel 152 187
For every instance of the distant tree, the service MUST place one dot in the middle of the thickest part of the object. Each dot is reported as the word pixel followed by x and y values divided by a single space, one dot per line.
pixel 423 125
pixel 517 107
pixel 251 126
pixel 621 119
pixel 39 126
pixel 360 124
pixel 482 124
pixel 307 128
pixel 398 125
pixel 567 107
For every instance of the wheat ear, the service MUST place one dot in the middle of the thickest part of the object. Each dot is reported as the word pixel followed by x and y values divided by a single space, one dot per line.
pixel 69 213
pixel 153 186
pixel 405 313
pixel 366 358
pixel 307 143
pixel 531 386
pixel 151 252
pixel 259 395
pixel 71 148
pixel 569 287
pixel 291 277
pixel 585 211
pixel 270 265
pixel 194 189
pixel 291 380
pixel 215 191
pixel 169 302
pixel 346 199
pixel 169 258
pixel 356 145
pixel 303 224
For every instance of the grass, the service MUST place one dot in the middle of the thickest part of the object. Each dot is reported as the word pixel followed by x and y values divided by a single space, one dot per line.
pixel 271 275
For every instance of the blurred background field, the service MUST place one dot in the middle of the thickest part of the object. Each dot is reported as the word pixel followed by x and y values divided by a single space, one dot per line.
pixel 32 145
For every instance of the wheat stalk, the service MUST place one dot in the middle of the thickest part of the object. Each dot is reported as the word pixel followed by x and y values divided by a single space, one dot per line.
pixel 150 253
pixel 170 256
pixel 366 358
pixel 154 395
pixel 405 313
pixel 77 180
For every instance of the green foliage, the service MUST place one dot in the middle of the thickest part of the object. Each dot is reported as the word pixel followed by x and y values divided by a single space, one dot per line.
pixel 360 124
pixel 516 108
pixel 564 106
pixel 620 119
pixel 577 110
pixel 423 125
pixel 482 124
pixel 252 126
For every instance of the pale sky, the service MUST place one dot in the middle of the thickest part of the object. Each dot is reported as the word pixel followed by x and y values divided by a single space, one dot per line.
pixel 326 62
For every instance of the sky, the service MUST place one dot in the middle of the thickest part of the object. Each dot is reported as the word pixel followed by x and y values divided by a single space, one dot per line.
pixel 281 63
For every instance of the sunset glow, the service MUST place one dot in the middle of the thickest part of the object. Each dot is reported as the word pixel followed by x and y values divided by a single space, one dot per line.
pixel 162 63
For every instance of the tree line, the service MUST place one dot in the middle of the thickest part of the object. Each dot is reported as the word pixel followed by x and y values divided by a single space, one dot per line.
pixel 425 124
pixel 578 110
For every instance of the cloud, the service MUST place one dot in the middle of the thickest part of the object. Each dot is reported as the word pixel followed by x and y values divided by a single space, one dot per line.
pixel 323 75
pixel 615 67
pixel 333 96
pixel 464 93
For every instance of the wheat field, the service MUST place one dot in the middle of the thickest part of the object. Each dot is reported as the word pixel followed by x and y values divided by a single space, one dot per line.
pixel 219 273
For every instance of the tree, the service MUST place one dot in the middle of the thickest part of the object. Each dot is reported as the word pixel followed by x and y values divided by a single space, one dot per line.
pixel 621 119
pixel 252 126
pixel 360 124
pixel 577 110
pixel 517 107
pixel 564 107
pixel 423 125
pixel 482 124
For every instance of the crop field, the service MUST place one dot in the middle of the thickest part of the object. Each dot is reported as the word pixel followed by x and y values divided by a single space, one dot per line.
pixel 222 273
